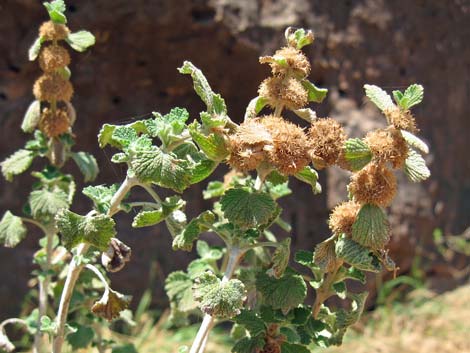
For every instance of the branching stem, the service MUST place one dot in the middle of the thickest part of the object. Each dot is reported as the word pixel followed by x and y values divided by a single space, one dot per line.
pixel 324 291
pixel 76 267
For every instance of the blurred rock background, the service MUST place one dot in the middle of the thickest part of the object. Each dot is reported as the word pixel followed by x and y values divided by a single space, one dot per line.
pixel 131 71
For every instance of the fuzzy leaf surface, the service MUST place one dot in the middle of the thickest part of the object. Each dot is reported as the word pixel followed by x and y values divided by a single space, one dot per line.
pixel 12 230
pixel 280 258
pixel 56 11
pixel 415 167
pixel 31 117
pixel 284 293
pixel 379 97
pixel 247 209
pixel 46 204
pixel 96 230
pixel 356 255
pixel 217 298
pixel 315 94
pixel 185 239
pixel 415 141
pixel 17 163
pixel 371 228
pixel 178 287
pixel 34 50
pixel 252 322
pixel 412 96
pixel 87 164
pixel 357 153
pixel 101 196
pixel 148 218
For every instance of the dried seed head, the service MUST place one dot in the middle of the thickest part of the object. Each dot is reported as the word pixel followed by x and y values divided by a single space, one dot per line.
pixel 343 217
pixel 285 91
pixel 53 31
pixel 388 145
pixel 326 137
pixel 373 184
pixel 52 87
pixel 295 62
pixel 247 145
pixel 54 124
pixel 290 145
pixel 53 57
pixel 401 119
pixel 114 259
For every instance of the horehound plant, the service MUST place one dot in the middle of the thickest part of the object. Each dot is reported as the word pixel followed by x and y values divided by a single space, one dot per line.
pixel 50 118
pixel 248 281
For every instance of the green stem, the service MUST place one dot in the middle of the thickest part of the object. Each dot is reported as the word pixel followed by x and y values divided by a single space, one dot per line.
pixel 324 291
pixel 76 267
pixel 264 244
pixel 152 192
pixel 145 204
pixel 36 223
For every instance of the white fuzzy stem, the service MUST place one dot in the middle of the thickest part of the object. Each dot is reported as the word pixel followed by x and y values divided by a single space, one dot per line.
pixel 75 268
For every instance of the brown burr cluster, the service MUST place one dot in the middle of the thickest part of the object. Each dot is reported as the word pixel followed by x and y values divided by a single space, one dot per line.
pixel 54 87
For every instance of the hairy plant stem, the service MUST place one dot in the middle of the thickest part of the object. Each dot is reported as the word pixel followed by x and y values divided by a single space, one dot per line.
pixel 208 322
pixel 13 320
pixel 40 339
pixel 278 110
pixel 76 267
pixel 324 291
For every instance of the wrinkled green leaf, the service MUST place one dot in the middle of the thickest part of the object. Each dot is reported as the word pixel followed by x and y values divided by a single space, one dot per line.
pixel 251 322
pixel 412 96
pixel 12 230
pixel 34 50
pixel 249 345
pixel 218 298
pixel 284 293
pixel 45 204
pixel 379 97
pixel 212 145
pixel 371 228
pixel 287 347
pixel 101 196
pixel 96 230
pixel 357 153
pixel 148 218
pixel 185 239
pixel 81 338
pixel 56 11
pixel 178 287
pixel 87 165
pixel 415 141
pixel 280 258
pixel 357 255
pixel 299 38
pixel 17 163
pixel 415 167
pixel 247 209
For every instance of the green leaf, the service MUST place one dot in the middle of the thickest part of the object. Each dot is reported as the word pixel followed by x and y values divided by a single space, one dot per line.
pixel 105 136
pixel 357 153
pixel 64 72
pixel 280 258
pixel 315 94
pixel 96 230
pixel 81 338
pixel 415 141
pixel 379 97
pixel 214 189
pixel 34 50
pixel 357 255
pixel 251 321
pixel 31 117
pixel 412 96
pixel 17 163
pixel 12 230
pixel 299 38
pixel 223 299
pixel 56 11
pixel 304 258
pixel 81 40
pixel 101 196
pixel 415 167
pixel 254 107
pixel 249 345
pixel 178 287
pixel 87 165
pixel 47 325
pixel 346 318
pixel 202 170
pixel 284 293
pixel 185 239
pixel 212 145
pixel 208 253
pixel 150 164
pixel 215 104
pixel 247 209
pixel 287 347
pixel 45 204
pixel 371 228
pixel 124 135
pixel 310 176
pixel 169 127
pixel 147 218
